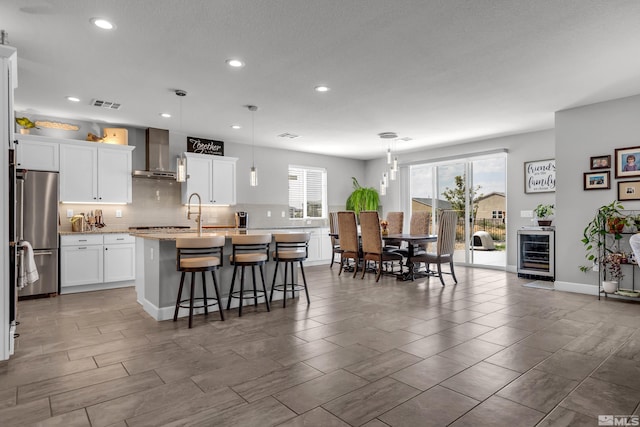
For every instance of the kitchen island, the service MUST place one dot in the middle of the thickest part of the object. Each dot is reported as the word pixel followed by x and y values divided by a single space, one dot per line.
pixel 157 278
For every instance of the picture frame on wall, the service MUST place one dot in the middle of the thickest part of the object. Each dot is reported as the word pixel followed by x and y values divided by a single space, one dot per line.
pixel 600 162
pixel 628 190
pixel 597 180
pixel 627 162
pixel 540 176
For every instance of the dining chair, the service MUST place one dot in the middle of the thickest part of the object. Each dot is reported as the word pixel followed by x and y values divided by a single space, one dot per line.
pixel 395 226
pixel 445 245
pixel 419 224
pixel 349 242
pixel 372 249
pixel 335 239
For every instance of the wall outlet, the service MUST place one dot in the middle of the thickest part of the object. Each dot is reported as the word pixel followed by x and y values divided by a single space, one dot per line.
pixel 282 214
pixel 268 214
pixel 526 214
pixel 118 213
pixel 69 213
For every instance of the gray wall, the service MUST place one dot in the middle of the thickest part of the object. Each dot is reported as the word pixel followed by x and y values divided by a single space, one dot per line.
pixel 593 130
pixel 521 148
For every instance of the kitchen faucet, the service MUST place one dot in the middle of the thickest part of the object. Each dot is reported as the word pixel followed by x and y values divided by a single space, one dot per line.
pixel 199 217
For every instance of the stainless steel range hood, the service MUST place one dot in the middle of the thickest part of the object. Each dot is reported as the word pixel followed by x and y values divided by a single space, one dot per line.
pixel 158 160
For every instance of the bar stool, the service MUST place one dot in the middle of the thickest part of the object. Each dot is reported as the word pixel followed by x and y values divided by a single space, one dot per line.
pixel 198 254
pixel 290 248
pixel 249 250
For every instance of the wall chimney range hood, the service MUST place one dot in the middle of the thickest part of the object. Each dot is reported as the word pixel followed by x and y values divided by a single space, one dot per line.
pixel 158 160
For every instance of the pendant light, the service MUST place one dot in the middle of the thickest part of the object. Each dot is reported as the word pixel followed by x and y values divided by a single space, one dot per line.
pixel 253 177
pixel 181 162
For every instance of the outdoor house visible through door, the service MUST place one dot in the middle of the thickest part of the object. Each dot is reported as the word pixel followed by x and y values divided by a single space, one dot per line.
pixel 476 188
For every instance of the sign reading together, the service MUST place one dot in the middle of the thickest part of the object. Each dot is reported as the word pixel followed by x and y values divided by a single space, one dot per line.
pixel 205 146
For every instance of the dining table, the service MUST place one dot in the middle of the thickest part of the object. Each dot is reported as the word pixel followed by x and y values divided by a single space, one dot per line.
pixel 412 240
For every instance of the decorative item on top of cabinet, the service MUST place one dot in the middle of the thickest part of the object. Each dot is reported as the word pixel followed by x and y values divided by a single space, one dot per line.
pixel 212 177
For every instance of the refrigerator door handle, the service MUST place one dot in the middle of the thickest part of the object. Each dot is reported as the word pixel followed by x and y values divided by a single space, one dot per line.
pixel 35 253
pixel 20 215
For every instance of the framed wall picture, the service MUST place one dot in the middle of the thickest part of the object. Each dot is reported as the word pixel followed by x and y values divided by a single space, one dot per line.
pixel 628 190
pixel 597 180
pixel 540 176
pixel 627 162
pixel 600 162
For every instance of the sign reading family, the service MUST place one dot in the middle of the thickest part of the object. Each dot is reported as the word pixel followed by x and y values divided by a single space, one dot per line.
pixel 205 146
pixel 540 176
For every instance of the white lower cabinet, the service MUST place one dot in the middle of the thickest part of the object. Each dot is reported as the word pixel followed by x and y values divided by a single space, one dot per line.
pixel 94 259
pixel 318 249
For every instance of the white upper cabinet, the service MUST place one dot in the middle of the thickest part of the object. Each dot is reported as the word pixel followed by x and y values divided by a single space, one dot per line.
pixel 91 172
pixel 34 153
pixel 212 177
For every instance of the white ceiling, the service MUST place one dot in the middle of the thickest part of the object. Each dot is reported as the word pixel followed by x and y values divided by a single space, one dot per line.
pixel 436 71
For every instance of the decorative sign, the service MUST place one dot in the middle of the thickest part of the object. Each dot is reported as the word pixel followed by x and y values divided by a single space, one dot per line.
pixel 205 146
pixel 540 176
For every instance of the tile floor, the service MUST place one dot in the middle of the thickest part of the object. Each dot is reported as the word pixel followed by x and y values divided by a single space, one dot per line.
pixel 487 352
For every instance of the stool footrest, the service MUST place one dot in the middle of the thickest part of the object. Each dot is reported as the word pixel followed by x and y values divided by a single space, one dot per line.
pixel 287 287
pixel 248 294
pixel 185 303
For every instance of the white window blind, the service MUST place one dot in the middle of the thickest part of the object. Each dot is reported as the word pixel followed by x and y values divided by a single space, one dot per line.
pixel 307 192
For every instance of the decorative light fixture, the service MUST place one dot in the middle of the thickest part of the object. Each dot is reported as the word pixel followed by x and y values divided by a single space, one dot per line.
pixel 181 169
pixel 383 188
pixel 253 178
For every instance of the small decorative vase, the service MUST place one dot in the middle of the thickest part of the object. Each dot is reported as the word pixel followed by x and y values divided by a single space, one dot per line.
pixel 609 286
pixel 25 131
pixel 385 232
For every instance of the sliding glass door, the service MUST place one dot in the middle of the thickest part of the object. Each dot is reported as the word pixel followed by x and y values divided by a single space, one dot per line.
pixel 475 188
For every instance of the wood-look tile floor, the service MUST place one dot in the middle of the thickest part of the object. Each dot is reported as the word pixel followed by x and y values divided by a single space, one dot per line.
pixel 487 352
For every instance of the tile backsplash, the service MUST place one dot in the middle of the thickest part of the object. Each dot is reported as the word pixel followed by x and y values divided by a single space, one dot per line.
pixel 158 202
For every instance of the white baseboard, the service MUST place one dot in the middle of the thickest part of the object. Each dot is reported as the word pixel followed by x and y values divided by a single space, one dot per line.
pixel 579 288
pixel 95 287
pixel 166 313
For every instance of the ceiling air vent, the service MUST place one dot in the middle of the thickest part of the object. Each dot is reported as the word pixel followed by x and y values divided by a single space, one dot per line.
pixel 288 135
pixel 105 104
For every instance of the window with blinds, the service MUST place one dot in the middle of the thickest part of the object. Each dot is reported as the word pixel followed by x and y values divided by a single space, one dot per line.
pixel 307 192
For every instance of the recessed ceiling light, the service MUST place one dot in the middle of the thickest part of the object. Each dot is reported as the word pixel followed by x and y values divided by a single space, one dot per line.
pixel 165 115
pixel 236 63
pixel 236 127
pixel 73 99
pixel 102 23
pixel 322 88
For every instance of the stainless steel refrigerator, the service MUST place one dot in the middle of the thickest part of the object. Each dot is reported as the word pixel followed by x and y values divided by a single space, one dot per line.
pixel 37 223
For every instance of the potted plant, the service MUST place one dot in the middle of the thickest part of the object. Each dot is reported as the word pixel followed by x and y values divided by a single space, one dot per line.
pixel 611 262
pixel 26 124
pixel 543 213
pixel 362 198
pixel 594 234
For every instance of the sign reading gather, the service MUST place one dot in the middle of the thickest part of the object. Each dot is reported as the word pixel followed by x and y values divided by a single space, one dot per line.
pixel 540 176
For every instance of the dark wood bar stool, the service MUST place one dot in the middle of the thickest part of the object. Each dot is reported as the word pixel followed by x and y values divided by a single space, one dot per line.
pixel 290 248
pixel 198 254
pixel 249 250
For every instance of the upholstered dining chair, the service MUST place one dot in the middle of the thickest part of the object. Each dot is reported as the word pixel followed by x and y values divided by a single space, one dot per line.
pixel 396 225
pixel 445 245
pixel 419 224
pixel 372 249
pixel 349 242
pixel 335 237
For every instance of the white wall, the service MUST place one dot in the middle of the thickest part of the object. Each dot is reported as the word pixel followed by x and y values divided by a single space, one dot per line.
pixel 521 148
pixel 592 130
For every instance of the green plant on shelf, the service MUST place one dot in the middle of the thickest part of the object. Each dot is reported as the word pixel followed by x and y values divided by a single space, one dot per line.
pixel 606 220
